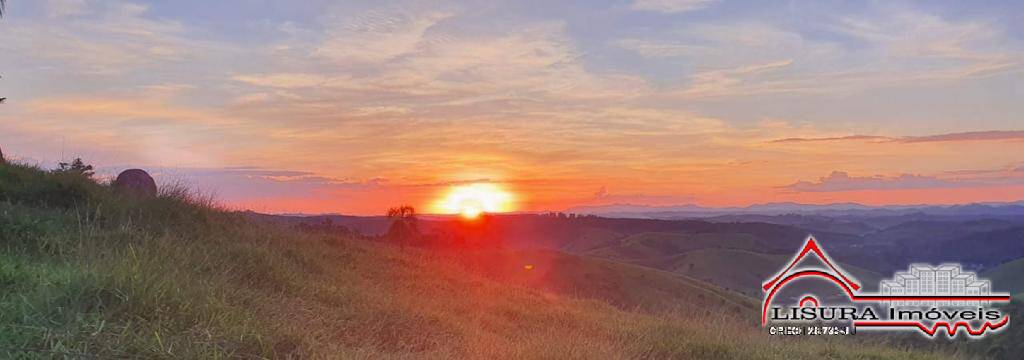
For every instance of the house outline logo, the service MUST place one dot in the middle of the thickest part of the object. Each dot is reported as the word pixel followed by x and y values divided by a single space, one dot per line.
pixel 833 274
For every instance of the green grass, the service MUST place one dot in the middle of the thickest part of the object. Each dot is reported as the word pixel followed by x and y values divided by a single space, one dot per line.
pixel 659 245
pixel 1008 277
pixel 87 272
pixel 719 266
pixel 622 285
pixel 725 260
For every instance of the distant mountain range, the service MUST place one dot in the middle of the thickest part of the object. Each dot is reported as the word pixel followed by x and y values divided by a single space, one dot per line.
pixel 707 243
pixel 785 208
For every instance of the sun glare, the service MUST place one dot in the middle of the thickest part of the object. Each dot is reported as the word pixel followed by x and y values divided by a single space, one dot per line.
pixel 471 200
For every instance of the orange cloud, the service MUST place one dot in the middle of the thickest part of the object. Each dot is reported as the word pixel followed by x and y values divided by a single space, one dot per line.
pixel 994 135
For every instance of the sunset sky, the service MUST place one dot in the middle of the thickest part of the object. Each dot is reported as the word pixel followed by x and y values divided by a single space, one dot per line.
pixel 351 107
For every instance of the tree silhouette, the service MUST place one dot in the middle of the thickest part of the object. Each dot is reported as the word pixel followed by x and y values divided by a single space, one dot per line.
pixel 76 167
pixel 403 227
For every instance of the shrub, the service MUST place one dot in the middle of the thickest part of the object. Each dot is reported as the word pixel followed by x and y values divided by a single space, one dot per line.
pixel 75 167
pixel 30 185
pixel 404 228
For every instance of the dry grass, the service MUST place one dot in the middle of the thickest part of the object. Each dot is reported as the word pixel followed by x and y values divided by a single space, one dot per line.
pixel 107 276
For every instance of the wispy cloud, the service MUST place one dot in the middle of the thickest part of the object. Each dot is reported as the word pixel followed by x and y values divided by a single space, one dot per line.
pixel 671 6
pixel 839 181
pixel 604 197
pixel 106 38
pixel 833 138
pixel 967 136
pixel 889 47
pixel 994 135
pixel 378 36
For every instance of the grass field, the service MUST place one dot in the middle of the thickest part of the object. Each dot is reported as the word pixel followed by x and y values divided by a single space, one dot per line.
pixel 85 272
pixel 661 245
pixel 1008 277
pixel 719 266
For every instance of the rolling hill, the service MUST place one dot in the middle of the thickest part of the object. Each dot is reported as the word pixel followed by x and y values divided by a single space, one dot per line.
pixel 622 285
pixel 650 247
pixel 1008 277
pixel 745 271
pixel 733 268
pixel 88 272
pixel 585 233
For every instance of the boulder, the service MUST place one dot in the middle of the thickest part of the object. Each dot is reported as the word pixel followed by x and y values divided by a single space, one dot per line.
pixel 136 181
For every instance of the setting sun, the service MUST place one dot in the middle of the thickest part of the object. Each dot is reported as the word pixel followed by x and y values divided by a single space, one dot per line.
pixel 474 199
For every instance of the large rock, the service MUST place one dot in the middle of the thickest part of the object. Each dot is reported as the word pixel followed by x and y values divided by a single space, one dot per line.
pixel 136 181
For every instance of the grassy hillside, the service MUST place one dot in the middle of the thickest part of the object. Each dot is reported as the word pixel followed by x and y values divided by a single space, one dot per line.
pixel 725 259
pixel 745 271
pixel 622 285
pixel 655 245
pixel 1008 277
pixel 982 243
pixel 87 272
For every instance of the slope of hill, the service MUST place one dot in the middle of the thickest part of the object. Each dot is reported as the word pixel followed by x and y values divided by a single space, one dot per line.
pixel 645 248
pixel 623 285
pixel 818 223
pixel 577 234
pixel 86 272
pixel 976 243
pixel 736 261
pixel 1008 277
pixel 745 271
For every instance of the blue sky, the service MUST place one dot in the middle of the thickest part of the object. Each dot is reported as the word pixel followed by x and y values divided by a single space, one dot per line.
pixel 653 100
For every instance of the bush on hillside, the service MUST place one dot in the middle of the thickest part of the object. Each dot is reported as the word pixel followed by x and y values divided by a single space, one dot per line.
pixel 73 188
pixel 33 186
pixel 404 229
pixel 75 167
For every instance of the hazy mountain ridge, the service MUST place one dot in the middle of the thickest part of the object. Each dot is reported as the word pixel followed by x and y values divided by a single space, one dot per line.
pixel 880 243
pixel 784 208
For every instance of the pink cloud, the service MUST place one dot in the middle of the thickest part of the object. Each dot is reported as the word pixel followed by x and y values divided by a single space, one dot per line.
pixel 967 136
pixel 992 135
pixel 841 181
pixel 834 138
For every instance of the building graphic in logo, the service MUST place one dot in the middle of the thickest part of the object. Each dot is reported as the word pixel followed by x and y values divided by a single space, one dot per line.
pixel 946 279
pixel 924 298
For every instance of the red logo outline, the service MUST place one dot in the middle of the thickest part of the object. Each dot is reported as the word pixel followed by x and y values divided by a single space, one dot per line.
pixel 850 288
